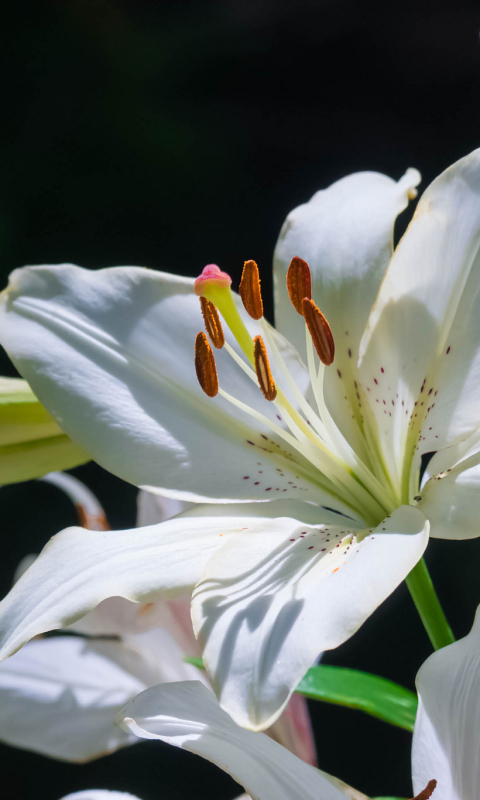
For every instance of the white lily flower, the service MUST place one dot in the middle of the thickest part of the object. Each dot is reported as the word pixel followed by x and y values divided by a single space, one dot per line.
pixel 274 582
pixel 59 696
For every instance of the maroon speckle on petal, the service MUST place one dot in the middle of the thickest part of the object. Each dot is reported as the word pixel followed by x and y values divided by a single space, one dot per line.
pixel 246 477
pixel 448 349
pixel 310 548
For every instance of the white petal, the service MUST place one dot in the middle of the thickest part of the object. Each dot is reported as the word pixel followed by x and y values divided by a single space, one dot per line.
pixel 269 602
pixel 79 568
pixel 99 794
pixel 153 508
pixel 451 501
pixel 345 233
pixel 307 512
pixel 421 349
pixel 447 729
pixel 187 715
pixel 111 354
pixel 60 696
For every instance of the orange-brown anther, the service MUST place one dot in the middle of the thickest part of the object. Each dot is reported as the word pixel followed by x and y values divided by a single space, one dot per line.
pixel 205 365
pixel 319 331
pixel 427 792
pixel 213 326
pixel 262 368
pixel 249 290
pixel 299 283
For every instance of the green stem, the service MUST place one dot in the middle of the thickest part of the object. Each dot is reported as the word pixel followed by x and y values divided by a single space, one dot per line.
pixel 428 606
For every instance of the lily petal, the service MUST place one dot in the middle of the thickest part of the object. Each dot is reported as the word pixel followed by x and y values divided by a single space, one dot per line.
pixel 345 233
pixel 447 727
pixel 420 355
pixel 79 568
pixel 110 353
pixel 270 601
pixel 451 500
pixel 59 697
pixel 187 715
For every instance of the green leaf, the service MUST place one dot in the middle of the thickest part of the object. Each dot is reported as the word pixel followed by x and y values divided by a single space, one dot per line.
pixel 369 693
pixel 376 696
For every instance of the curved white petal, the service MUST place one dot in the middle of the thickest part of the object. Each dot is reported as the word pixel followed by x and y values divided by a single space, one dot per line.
pixel 447 728
pixel 345 233
pixel 100 794
pixel 270 601
pixel 60 696
pixel 421 349
pixel 79 568
pixel 111 354
pixel 187 715
pixel 451 501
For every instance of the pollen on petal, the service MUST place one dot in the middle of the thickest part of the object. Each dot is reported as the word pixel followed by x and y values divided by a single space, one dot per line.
pixel 205 365
pixel 213 326
pixel 249 290
pixel 320 332
pixel 211 274
pixel 427 792
pixel 262 368
pixel 299 283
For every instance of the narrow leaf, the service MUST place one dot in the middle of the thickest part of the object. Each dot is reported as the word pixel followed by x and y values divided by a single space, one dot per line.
pixel 369 693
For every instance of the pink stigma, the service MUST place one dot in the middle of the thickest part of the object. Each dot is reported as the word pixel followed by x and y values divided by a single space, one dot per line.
pixel 211 275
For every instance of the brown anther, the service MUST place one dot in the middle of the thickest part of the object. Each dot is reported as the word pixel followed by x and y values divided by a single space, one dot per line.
pixel 320 332
pixel 262 368
pixel 299 283
pixel 427 792
pixel 249 290
pixel 205 365
pixel 213 326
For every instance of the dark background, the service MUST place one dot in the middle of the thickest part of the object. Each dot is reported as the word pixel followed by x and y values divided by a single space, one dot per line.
pixel 171 135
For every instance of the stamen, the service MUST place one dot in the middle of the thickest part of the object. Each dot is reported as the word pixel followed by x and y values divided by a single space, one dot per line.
pixel 427 792
pixel 205 365
pixel 262 368
pixel 249 290
pixel 299 283
pixel 213 325
pixel 320 332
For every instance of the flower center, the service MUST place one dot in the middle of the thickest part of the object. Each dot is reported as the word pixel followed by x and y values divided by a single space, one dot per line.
pixel 310 431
